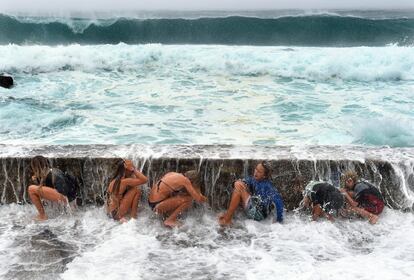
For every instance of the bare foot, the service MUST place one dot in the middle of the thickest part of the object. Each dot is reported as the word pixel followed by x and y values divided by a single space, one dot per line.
pixel 224 221
pixel 344 213
pixel 172 224
pixel 40 218
pixel 373 219
pixel 123 220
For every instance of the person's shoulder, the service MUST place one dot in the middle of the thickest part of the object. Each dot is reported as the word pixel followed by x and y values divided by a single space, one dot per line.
pixel 362 182
pixel 363 185
pixel 324 185
pixel 266 183
pixel 249 180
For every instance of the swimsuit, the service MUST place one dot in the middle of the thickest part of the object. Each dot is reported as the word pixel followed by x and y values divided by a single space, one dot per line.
pixel 173 193
pixel 254 209
pixel 369 197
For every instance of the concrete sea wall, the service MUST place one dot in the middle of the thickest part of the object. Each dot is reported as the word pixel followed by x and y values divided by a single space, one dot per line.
pixel 391 169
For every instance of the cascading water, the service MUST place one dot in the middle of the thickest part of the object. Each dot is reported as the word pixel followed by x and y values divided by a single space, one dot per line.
pixel 86 243
pixel 305 81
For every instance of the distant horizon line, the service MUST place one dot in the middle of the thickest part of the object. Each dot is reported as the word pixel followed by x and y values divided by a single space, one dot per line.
pixel 401 9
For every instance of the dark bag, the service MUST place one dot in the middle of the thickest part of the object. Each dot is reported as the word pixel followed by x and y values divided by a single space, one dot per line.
pixel 72 185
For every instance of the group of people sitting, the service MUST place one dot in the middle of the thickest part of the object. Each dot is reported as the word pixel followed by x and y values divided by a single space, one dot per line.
pixel 358 197
pixel 174 193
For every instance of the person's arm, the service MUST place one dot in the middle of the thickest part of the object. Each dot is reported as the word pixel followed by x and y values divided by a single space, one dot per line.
pixel 248 181
pixel 139 179
pixel 277 200
pixel 306 202
pixel 110 187
pixel 329 216
pixel 348 197
pixel 196 195
pixel 316 211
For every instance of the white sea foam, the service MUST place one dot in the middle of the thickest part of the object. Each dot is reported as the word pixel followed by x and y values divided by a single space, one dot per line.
pixel 96 247
pixel 156 94
pixel 390 63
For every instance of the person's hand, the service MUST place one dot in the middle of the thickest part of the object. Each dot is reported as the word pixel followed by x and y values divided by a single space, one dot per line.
pixel 129 165
pixel 342 190
pixel 202 199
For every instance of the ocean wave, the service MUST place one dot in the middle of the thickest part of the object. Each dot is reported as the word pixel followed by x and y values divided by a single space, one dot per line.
pixel 363 64
pixel 301 30
pixel 385 132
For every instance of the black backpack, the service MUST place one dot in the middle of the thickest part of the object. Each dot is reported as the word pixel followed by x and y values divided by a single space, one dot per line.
pixel 72 184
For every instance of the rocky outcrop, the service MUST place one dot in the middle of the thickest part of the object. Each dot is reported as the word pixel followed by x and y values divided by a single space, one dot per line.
pixel 6 81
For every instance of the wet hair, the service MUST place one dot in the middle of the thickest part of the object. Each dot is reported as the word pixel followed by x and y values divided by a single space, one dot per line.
pixel 350 175
pixel 195 178
pixel 119 173
pixel 40 167
pixel 267 166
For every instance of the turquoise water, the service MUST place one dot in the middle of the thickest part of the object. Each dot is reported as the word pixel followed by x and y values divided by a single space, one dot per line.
pixel 276 28
pixel 262 78
pixel 208 94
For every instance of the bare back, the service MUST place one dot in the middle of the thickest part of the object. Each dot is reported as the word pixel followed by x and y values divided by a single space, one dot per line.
pixel 173 182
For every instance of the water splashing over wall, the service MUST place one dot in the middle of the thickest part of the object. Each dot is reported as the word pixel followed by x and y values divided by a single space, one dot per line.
pixel 392 170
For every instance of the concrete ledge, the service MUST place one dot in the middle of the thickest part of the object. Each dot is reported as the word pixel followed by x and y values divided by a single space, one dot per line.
pixel 392 169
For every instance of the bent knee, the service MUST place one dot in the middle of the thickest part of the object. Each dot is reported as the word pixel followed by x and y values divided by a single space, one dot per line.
pixel 33 189
pixel 188 201
pixel 239 186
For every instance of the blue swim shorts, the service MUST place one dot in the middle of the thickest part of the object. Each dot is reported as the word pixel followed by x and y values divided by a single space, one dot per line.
pixel 254 209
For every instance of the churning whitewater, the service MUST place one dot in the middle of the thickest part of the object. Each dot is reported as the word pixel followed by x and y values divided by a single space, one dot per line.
pixel 298 79
pixel 88 245
pixel 189 94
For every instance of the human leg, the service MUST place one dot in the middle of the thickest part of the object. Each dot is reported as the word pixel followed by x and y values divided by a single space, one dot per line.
pixel 37 193
pixel 135 201
pixel 372 218
pixel 370 208
pixel 129 203
pixel 173 206
pixel 239 195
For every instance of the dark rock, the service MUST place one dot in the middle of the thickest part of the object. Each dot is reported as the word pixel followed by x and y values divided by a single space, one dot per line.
pixel 6 81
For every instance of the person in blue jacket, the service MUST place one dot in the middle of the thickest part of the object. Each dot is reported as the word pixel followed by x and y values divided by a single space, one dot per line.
pixel 256 195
